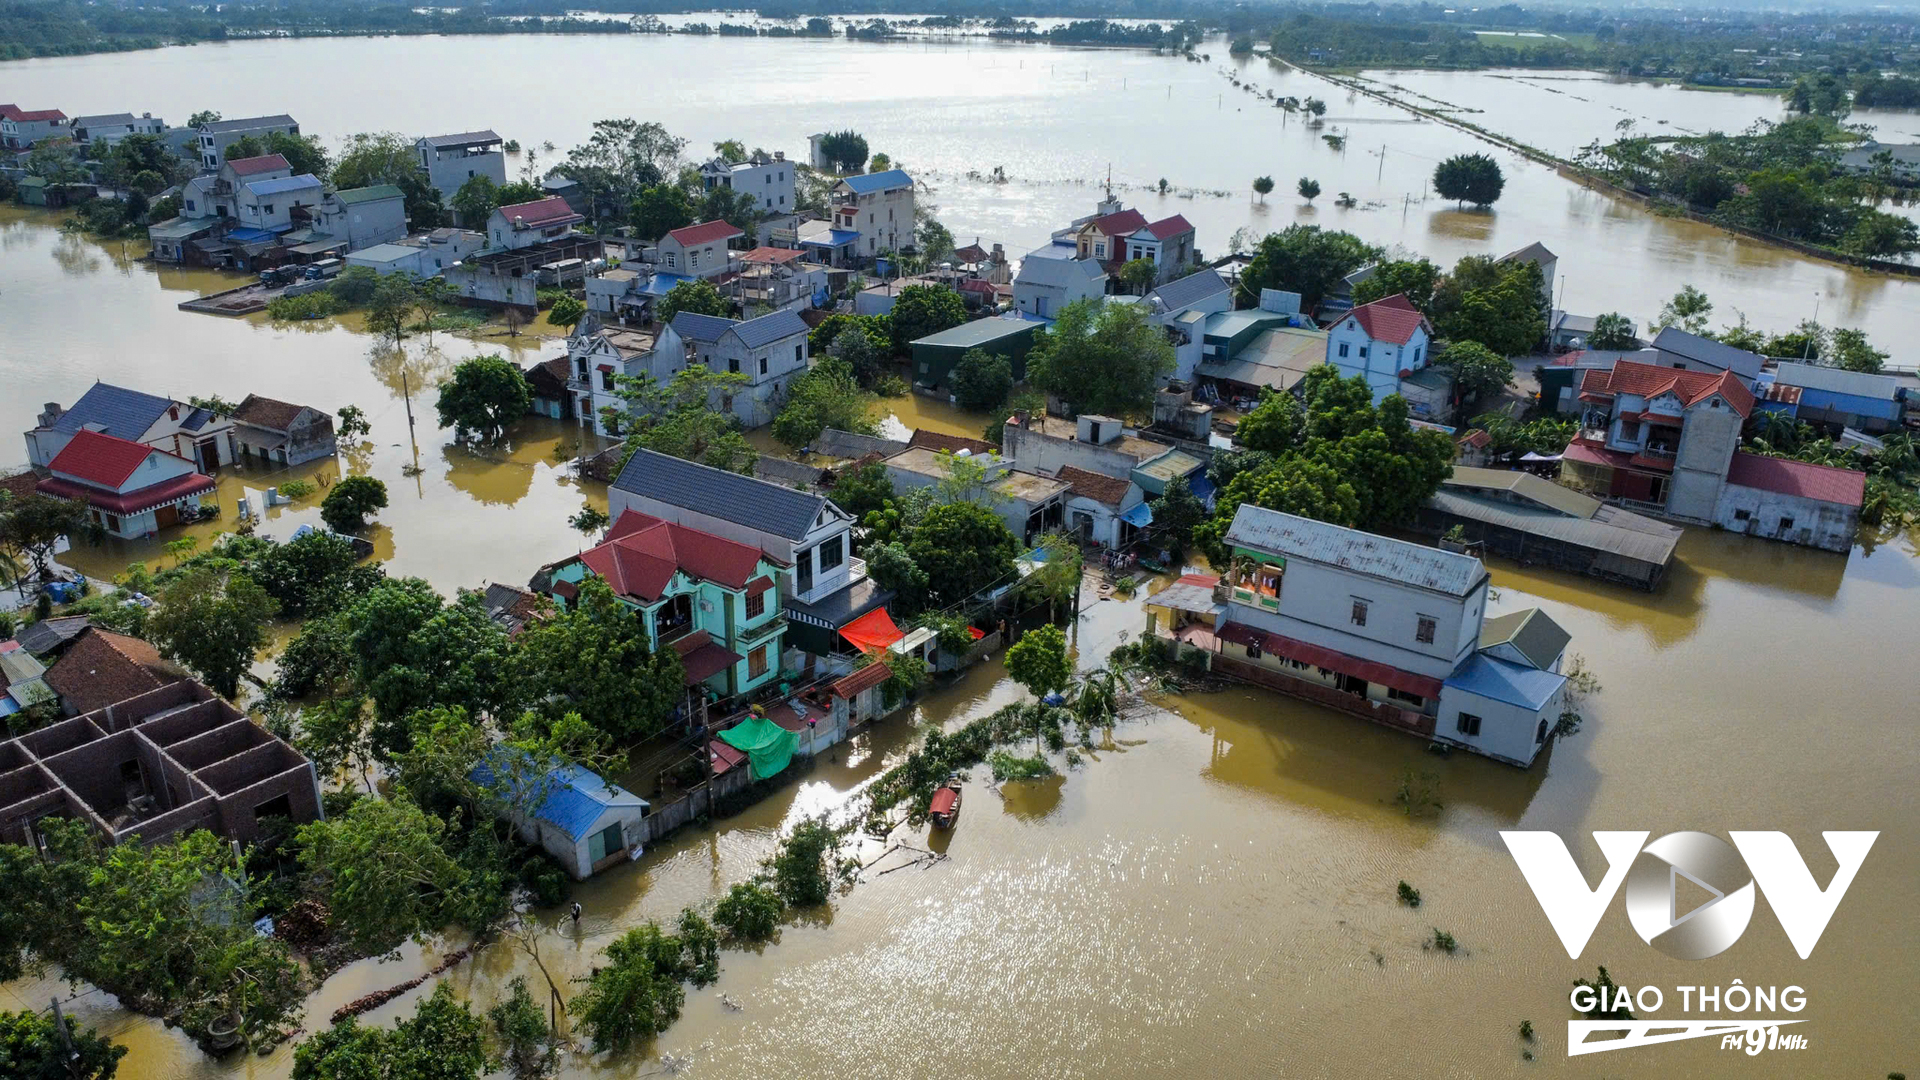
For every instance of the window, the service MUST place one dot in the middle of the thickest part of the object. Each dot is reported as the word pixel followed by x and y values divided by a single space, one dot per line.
pixel 783 200
pixel 606 380
pixel 757 662
pixel 769 178
pixel 830 553
pixel 1714 404
pixel 1741 515
pixel 1468 724
pixel 1540 733
pixel 1401 696
pixel 763 365
pixel 583 367
pixel 1423 630
pixel 189 204
pixel 267 208
pixel 1099 249
pixel 669 255
pixel 733 364
pixel 1630 430
pixel 1343 348
pixel 693 260
pixel 797 357
pixel 1416 354
pixel 1359 613
pixel 1786 524
pixel 1363 352
pixel 756 605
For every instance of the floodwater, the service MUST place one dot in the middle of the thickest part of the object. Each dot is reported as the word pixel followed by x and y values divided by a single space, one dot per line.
pixel 1216 891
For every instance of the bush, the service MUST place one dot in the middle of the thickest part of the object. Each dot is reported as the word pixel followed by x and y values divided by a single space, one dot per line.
pixel 313 305
pixel 890 386
pixel 355 286
pixel 1409 895
pixel 749 913
pixel 351 501
pixel 520 1026
pixel 1008 767
pixel 296 489
pixel 1443 941
pixel 637 994
pixel 801 867
pixel 545 882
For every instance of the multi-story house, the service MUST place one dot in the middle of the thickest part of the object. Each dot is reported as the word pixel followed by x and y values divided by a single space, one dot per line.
pixel 768 179
pixel 217 193
pixel 452 160
pixel 525 225
pixel 215 137
pixel 709 598
pixel 1046 284
pixel 1167 244
pixel 822 586
pixel 273 205
pixel 282 433
pixel 1389 630
pixel 1381 341
pixel 130 489
pixel 771 351
pixel 110 128
pixel 528 245
pixel 879 208
pixel 697 250
pixel 599 355
pixel 21 128
pixel 1658 437
pixel 363 217
pixel 164 424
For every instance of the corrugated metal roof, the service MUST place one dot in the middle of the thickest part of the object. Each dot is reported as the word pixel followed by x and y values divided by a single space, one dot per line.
pixel 575 798
pixel 1531 631
pixel 465 138
pixel 868 183
pixel 1621 533
pixel 768 329
pixel 1515 684
pixel 1533 488
pixel 1187 291
pixel 756 504
pixel 1361 552
pixel 1837 380
pixel 281 120
pixel 354 196
pixel 282 184
pixel 978 332
pixel 1672 339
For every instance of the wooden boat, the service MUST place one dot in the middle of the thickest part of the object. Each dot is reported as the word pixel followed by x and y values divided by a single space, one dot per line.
pixel 945 807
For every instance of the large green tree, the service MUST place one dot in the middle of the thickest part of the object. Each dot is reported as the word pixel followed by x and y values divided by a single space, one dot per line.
pixel 1479 373
pixel 596 659
pixel 351 501
pixel 1039 661
pixel 1473 178
pixel 982 380
pixel 698 296
pixel 1498 304
pixel 214 622
pixel 1303 259
pixel 1416 279
pixel 387 157
pixel 1611 331
pixel 444 1039
pixel 845 151
pixel 312 574
pixel 413 650
pixel 386 872
pixel 620 159
pixel 1101 358
pixel 658 210
pixel 32 1048
pixel 827 396
pixel 637 994
pixel 921 310
pixel 963 547
pixel 484 395
pixel 687 418
pixel 30 528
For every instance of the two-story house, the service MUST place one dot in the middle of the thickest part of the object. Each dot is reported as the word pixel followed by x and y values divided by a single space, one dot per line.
pixel 176 427
pixel 21 128
pixel 879 208
pixel 216 194
pixel 822 586
pixel 452 160
pixel 215 137
pixel 528 245
pixel 768 179
pixel 771 351
pixel 1167 244
pixel 1658 437
pixel 1385 341
pixel 1046 284
pixel 1384 629
pixel 282 433
pixel 599 355
pixel 272 204
pixel 529 224
pixel 363 217
pixel 109 128
pixel 697 250
pixel 1676 348
pixel 130 489
pixel 709 598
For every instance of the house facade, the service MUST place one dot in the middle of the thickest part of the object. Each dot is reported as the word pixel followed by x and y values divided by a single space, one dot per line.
pixel 214 138
pixel 216 194
pixel 878 207
pixel 173 426
pixel 1660 437
pixel 1379 341
pixel 131 490
pixel 599 355
pixel 452 160
pixel 110 128
pixel 1167 244
pixel 528 245
pixel 281 433
pixel 364 217
pixel 768 179
pixel 1045 285
pixel 697 250
pixel 1835 397
pixel 271 204
pixel 586 824
pixel 771 351
pixel 21 128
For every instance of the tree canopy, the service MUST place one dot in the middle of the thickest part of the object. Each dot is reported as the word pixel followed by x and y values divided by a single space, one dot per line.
pixel 982 380
pixel 845 150
pixel 658 210
pixel 1474 178
pixel 619 159
pixel 214 622
pixel 1102 358
pixel 1304 259
pixel 698 296
pixel 921 310
pixel 686 418
pixel 444 1039
pixel 484 395
pixel 1416 279
pixel 388 157
pixel 826 396
pixel 32 1048
pixel 1497 304
pixel 352 500
pixel 1039 661
pixel 595 659
pixel 963 547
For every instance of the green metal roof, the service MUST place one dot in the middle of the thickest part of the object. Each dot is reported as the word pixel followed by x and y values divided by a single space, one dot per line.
pixel 351 196
pixel 978 332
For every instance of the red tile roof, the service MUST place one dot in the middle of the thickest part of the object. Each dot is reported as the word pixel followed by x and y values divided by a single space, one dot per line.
pixel 254 166
pixel 1392 318
pixel 1806 480
pixel 105 460
pixel 1589 454
pixel 1168 227
pixel 1477 439
pixel 865 679
pixel 19 115
pixel 1110 490
pixel 134 501
pixel 1650 381
pixel 642 553
pixel 704 233
pixel 540 214
pixel 972 253
pixel 1124 223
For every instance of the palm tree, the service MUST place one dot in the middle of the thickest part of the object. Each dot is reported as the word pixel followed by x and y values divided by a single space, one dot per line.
pixel 1262 185
pixel 1309 188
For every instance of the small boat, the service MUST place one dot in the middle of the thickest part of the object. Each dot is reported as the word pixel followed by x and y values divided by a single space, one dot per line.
pixel 945 807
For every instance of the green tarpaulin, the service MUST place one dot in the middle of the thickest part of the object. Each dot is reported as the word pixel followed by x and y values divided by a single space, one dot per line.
pixel 768 746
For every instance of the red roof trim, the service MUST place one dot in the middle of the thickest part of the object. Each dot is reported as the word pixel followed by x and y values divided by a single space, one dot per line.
pixel 1650 381
pixel 179 487
pixel 1391 319
pixel 759 585
pixel 1385 674
pixel 252 166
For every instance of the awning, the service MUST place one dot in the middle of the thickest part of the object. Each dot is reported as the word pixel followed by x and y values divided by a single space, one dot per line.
pixel 759 585
pixel 1332 659
pixel 133 502
pixel 707 661
pixel 1141 515
pixel 318 247
pixel 724 757
pixel 874 630
pixel 768 745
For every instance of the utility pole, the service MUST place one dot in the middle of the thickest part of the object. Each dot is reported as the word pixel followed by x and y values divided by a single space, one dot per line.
pixel 1383 164
pixel 66 1037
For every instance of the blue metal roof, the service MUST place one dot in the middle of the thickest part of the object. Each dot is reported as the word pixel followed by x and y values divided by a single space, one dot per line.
pixel 662 284
pixel 868 183
pixel 697 327
pixel 123 413
pixel 1515 684
pixel 768 329
pixel 282 184
pixel 575 797
pixel 250 236
pixel 1141 515
pixel 842 237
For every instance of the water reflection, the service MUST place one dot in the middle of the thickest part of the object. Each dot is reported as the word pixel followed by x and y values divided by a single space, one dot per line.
pixel 1031 800
pixel 77 256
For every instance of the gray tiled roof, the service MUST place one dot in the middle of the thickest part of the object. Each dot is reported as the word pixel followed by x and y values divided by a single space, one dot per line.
pixel 122 413
pixel 1350 549
pixel 1531 631
pixel 1190 290
pixel 768 329
pixel 1707 351
pixel 702 328
pixel 465 138
pixel 250 123
pixel 743 500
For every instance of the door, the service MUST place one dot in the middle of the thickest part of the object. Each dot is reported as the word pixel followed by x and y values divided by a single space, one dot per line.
pixel 165 516
pixel 207 451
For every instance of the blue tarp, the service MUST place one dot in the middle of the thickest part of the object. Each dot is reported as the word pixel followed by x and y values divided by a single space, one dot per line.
pixel 1141 515
pixel 249 236
pixel 1202 488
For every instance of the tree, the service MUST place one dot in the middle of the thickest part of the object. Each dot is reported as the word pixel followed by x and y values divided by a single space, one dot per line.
pixel 595 659
pixel 484 395
pixel 862 489
pixel 476 200
pixel 590 521
pixel 1478 372
pixel 143 153
pixel 1415 279
pixel 802 866
pixel 962 547
pixel 1102 358
pixel 637 994
pixel 1039 661
pixel 32 1048
pixel 1473 178
pixel 687 418
pixel 894 569
pixel 411 650
pixel 844 151
pixel 921 310
pixel 1688 310
pixel 879 163
pixel 982 380
pixel 386 871
pixel 351 501
pixel 1263 186
pixel 214 623
pixel 1309 189
pixel 1139 275
pixel 1176 514
pixel 740 209
pixel 33 526
pixel 827 396
pixel 934 240
pixel 1498 304
pixel 203 118
pixel 866 357
pixel 1611 331
pixel 353 422
pixel 246 146
pixel 444 1039
pixel 520 1027
pixel 391 305
pixel 619 159
pixel 1851 351
pixel 1304 259
pixel 698 296
pixel 658 210
pixel 566 311
pixel 749 913
pixel 312 574
pixel 387 157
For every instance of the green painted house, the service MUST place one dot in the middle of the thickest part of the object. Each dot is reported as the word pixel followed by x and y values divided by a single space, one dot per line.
pixel 708 598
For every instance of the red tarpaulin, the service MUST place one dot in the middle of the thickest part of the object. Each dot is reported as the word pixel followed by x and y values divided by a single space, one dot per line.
pixel 874 630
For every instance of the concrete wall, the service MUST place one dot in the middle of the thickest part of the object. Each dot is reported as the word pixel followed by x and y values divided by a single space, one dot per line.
pixel 1792 518
pixel 1036 452
pixel 448 170
pixel 1507 732
pixel 1288 682
pixel 1707 443
pixel 1316 606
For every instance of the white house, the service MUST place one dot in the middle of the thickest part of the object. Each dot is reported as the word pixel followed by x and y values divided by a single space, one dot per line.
pixel 574 815
pixel 1388 630
pixel 216 194
pixel 878 207
pixel 524 225
pixel 1385 341
pixel 162 423
pixel 214 138
pixel 770 350
pixel 130 489
pixel 269 204
pixel 697 250
pixel 599 355
pixel 768 180
pixel 364 216
pixel 452 160
pixel 21 128
pixel 1167 244
pixel 1044 285
pixel 110 128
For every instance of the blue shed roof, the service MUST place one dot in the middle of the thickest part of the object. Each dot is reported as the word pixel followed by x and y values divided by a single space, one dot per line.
pixel 575 797
pixel 122 413
pixel 697 327
pixel 661 284
pixel 868 183
pixel 1515 684
pixel 284 183
pixel 768 329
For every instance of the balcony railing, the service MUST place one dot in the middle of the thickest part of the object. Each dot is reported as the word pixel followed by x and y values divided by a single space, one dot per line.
pixel 666 635
pixel 755 635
